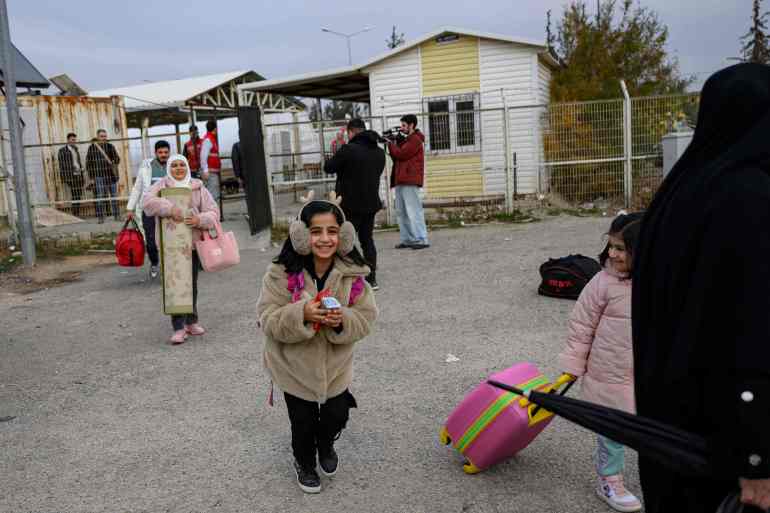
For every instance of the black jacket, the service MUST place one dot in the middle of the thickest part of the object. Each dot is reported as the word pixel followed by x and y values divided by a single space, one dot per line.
pixel 235 157
pixel 98 166
pixel 359 165
pixel 701 309
pixel 71 172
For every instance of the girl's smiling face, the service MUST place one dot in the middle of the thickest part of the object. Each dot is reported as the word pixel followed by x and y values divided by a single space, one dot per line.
pixel 324 235
pixel 178 170
pixel 619 257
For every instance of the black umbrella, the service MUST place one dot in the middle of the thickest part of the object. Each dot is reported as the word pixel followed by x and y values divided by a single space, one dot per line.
pixel 680 450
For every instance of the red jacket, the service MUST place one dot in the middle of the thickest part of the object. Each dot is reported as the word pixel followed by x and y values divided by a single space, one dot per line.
pixel 192 150
pixel 408 161
pixel 213 160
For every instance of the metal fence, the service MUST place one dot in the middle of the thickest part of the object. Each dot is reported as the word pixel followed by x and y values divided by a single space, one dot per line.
pixel 610 150
pixel 570 153
pixel 93 180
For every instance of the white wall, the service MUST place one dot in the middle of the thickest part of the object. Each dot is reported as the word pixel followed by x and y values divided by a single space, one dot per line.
pixel 506 69
pixel 395 86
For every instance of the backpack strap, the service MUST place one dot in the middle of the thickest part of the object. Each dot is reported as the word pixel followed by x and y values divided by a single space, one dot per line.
pixel 296 285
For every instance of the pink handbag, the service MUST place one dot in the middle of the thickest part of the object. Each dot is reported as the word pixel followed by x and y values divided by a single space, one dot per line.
pixel 220 253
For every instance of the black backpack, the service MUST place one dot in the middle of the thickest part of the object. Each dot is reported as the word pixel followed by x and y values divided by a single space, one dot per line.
pixel 566 277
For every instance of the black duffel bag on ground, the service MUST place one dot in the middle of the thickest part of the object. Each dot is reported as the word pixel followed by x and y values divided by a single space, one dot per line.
pixel 566 277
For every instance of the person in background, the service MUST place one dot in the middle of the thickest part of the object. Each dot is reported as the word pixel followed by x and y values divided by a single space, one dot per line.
pixel 71 171
pixel 599 351
pixel 339 141
pixel 192 152
pixel 235 157
pixel 102 161
pixel 211 165
pixel 151 171
pixel 203 215
pixel 407 179
pixel 359 165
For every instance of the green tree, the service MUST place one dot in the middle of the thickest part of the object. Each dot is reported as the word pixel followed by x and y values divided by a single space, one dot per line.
pixel 395 39
pixel 623 41
pixel 756 47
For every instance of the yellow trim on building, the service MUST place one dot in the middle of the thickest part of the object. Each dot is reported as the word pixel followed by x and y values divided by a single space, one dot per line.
pixel 451 67
pixel 451 176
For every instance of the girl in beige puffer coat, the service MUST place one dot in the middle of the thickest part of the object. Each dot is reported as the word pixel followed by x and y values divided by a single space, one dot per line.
pixel 599 349
pixel 309 345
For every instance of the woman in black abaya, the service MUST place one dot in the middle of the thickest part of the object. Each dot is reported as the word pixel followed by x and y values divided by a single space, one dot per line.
pixel 701 299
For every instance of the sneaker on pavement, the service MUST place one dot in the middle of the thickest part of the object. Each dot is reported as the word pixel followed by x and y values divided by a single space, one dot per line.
pixel 178 337
pixel 420 246
pixel 329 462
pixel 307 479
pixel 403 246
pixel 373 284
pixel 612 491
pixel 154 271
pixel 195 329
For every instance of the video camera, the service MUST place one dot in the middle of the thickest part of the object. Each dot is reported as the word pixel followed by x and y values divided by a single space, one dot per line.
pixel 395 135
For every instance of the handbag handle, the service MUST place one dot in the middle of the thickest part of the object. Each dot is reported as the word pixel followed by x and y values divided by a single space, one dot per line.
pixel 132 221
pixel 206 235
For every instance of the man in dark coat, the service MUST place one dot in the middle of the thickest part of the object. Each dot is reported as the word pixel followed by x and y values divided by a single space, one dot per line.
pixel 701 309
pixel 359 165
pixel 71 171
pixel 102 161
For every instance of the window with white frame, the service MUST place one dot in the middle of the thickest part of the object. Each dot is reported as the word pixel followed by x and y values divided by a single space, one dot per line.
pixel 453 123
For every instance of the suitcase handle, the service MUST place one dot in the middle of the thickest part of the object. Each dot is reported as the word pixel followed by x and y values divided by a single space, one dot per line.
pixel 565 380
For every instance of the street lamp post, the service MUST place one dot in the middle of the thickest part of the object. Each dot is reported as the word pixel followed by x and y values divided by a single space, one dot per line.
pixel 348 37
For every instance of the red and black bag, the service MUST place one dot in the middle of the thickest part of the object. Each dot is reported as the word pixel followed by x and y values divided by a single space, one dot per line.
pixel 129 246
pixel 566 277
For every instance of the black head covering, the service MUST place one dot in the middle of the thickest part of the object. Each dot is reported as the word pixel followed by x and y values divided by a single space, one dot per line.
pixel 701 321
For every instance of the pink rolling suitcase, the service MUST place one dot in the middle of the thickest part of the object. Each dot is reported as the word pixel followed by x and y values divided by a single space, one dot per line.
pixel 491 425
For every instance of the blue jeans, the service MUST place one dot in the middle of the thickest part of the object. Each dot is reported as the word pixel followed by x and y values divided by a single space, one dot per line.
pixel 411 217
pixel 610 457
pixel 106 188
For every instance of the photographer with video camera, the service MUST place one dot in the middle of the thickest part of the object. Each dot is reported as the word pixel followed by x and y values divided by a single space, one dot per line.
pixel 358 166
pixel 407 178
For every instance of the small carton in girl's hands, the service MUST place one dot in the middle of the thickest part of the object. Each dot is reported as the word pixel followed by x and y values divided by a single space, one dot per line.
pixel 320 297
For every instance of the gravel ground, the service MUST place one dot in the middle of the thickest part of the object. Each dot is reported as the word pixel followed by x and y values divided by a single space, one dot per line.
pixel 109 417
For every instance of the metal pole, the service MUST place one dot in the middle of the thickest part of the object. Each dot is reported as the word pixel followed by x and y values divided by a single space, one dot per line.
pixel 350 56
pixel 387 173
pixel 26 226
pixel 145 138
pixel 507 146
pixel 627 168
pixel 178 138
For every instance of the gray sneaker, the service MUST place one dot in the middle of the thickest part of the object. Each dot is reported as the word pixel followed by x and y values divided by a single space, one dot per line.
pixel 154 271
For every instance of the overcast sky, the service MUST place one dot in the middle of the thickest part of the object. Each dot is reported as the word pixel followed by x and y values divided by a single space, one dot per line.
pixel 117 43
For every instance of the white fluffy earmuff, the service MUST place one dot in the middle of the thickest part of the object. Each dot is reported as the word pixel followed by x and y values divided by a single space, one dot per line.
pixel 299 233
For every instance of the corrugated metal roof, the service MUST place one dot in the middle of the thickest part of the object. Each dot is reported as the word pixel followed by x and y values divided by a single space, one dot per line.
pixel 171 93
pixel 27 75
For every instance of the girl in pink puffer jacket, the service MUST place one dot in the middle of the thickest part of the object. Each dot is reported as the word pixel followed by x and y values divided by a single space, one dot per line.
pixel 599 348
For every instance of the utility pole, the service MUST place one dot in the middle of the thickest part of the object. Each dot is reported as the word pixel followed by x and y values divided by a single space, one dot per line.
pixel 24 217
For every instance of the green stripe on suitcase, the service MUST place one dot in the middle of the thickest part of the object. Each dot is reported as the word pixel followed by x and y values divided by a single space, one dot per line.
pixel 495 409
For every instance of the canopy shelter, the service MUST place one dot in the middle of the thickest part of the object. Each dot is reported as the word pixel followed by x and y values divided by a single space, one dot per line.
pixel 352 83
pixel 176 102
pixel 27 74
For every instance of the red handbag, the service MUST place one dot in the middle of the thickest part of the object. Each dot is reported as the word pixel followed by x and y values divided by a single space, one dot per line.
pixel 129 246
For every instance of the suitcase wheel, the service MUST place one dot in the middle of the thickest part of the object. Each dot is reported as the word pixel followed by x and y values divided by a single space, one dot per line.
pixel 470 468
pixel 443 436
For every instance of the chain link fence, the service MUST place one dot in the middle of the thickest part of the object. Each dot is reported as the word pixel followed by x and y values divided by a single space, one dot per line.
pixel 610 150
